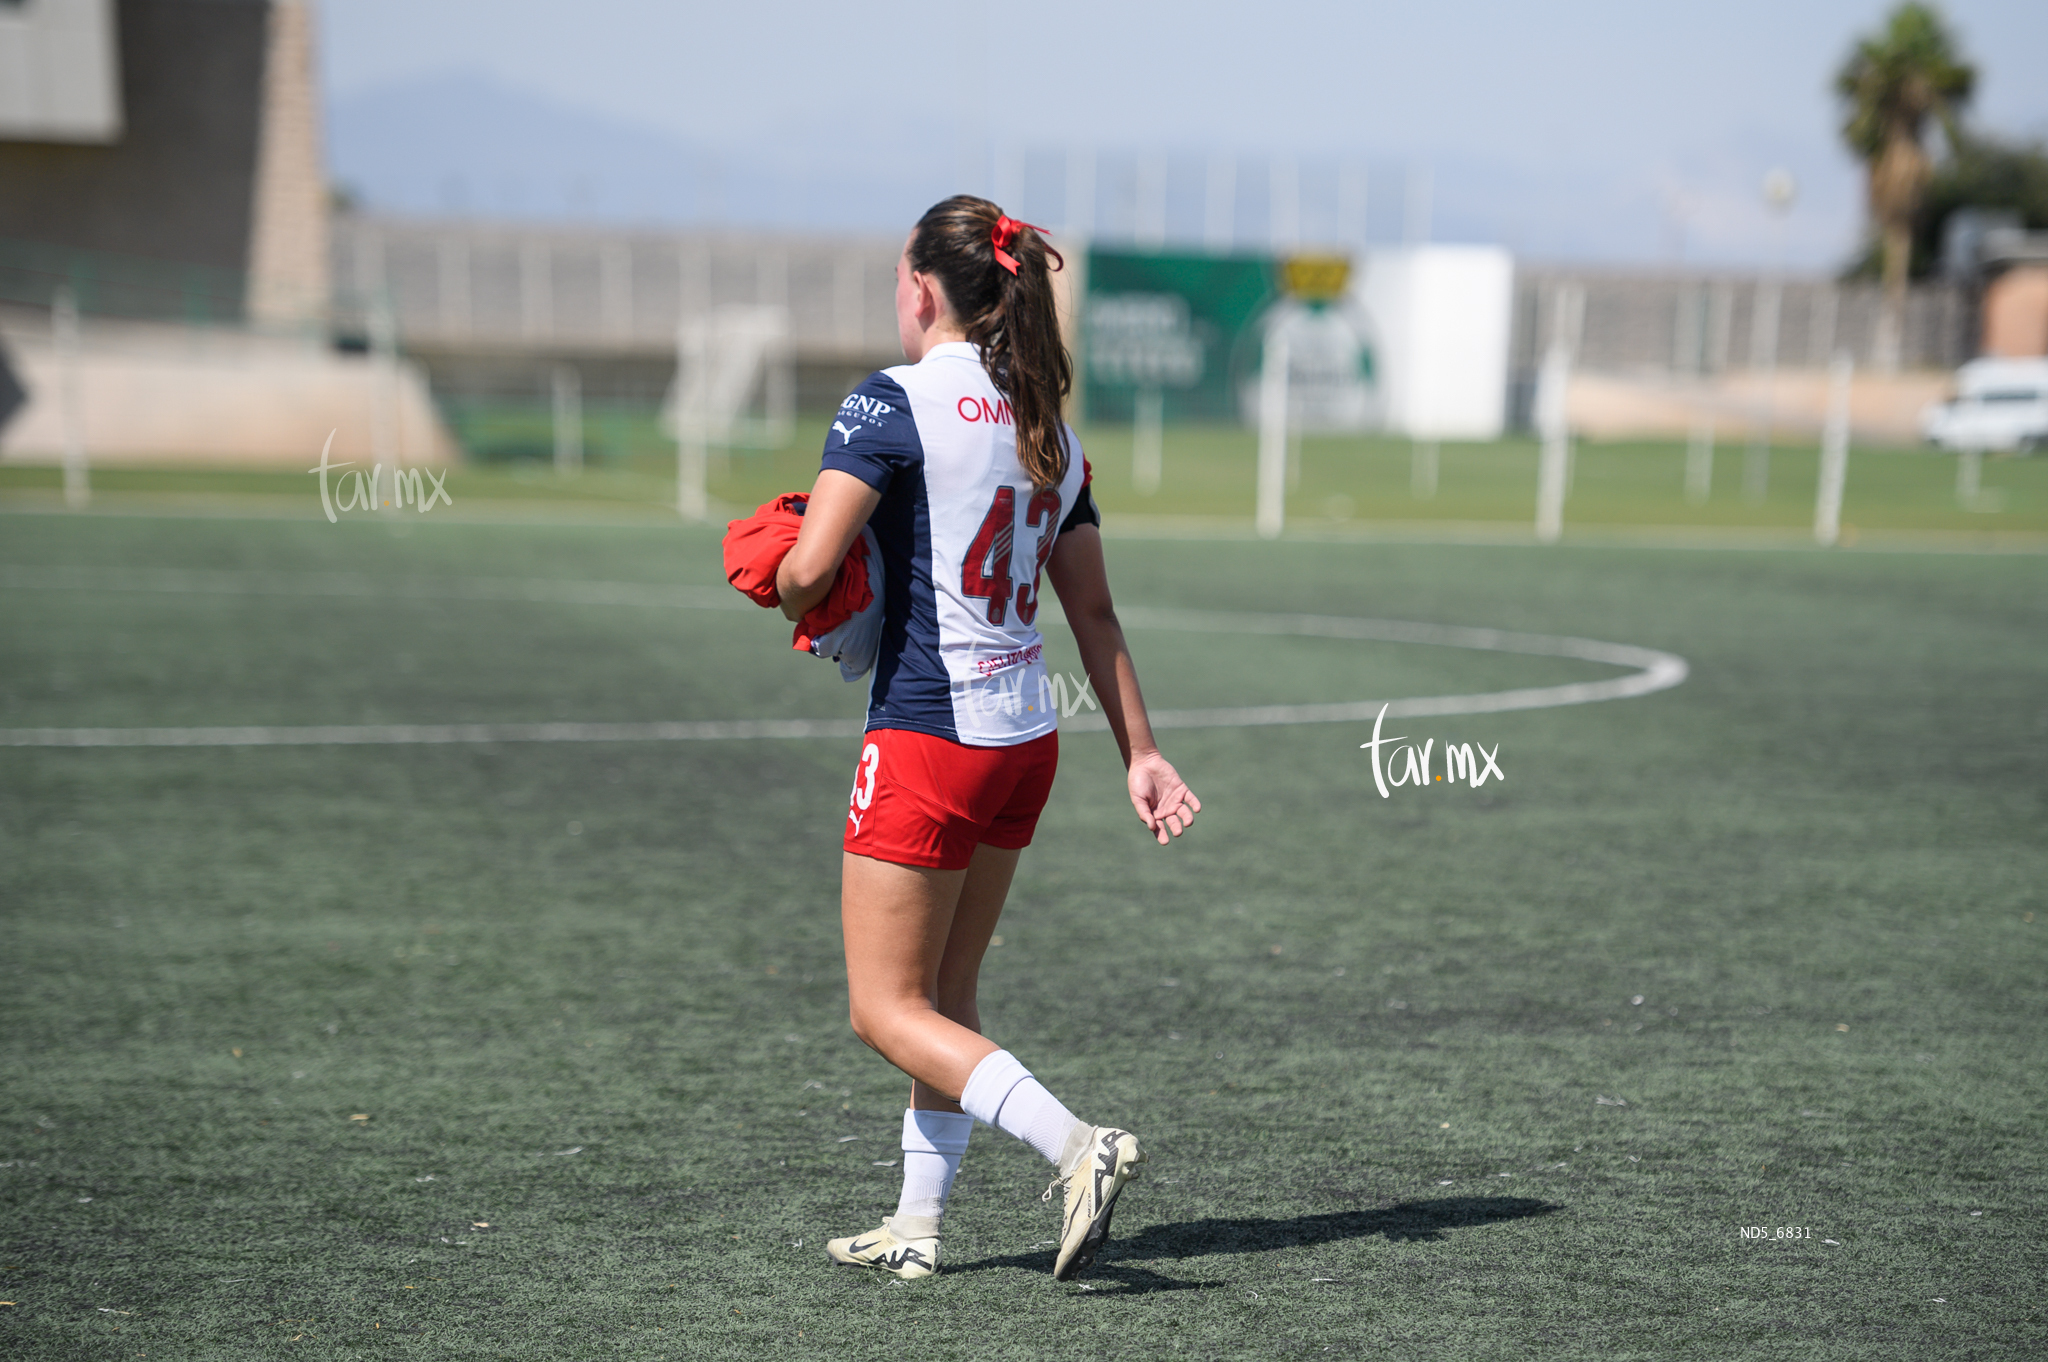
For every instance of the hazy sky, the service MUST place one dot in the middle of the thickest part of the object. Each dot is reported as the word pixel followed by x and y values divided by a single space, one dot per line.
pixel 1583 128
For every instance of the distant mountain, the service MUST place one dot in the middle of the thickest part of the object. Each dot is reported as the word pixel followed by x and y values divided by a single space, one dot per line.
pixel 464 143
pixel 461 142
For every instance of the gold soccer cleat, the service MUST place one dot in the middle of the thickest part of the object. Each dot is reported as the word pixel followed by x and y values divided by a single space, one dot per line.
pixel 1109 1159
pixel 908 1248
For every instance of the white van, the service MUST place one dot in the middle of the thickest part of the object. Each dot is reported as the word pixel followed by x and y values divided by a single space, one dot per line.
pixel 1999 404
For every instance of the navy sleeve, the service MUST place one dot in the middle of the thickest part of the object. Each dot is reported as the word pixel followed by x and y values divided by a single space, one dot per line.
pixel 873 436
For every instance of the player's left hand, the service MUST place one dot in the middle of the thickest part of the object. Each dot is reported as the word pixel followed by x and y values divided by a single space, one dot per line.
pixel 1163 800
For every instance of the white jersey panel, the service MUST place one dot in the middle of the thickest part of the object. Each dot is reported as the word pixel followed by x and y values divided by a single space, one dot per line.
pixel 989 536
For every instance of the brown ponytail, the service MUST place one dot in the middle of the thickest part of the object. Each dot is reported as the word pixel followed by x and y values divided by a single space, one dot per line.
pixel 1011 316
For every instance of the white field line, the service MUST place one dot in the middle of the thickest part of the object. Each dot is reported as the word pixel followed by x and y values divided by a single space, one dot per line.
pixel 1653 670
pixel 1650 670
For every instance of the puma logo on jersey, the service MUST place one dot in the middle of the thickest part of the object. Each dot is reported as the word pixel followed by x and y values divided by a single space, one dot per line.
pixel 849 434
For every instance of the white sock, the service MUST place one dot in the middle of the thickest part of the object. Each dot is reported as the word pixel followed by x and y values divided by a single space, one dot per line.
pixel 1003 1093
pixel 933 1142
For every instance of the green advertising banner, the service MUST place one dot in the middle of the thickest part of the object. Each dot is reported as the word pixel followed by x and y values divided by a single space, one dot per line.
pixel 1183 325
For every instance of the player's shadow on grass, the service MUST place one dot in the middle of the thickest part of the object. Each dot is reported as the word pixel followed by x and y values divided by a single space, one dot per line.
pixel 1407 1222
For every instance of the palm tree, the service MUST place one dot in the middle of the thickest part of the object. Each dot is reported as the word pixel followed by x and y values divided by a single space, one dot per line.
pixel 1893 82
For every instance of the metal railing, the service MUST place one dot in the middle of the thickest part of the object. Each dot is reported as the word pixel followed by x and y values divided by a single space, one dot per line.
pixel 109 285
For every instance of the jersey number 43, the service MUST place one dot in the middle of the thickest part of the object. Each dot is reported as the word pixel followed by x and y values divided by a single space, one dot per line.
pixel 985 572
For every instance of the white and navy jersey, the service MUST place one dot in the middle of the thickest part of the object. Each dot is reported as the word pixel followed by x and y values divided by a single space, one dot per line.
pixel 964 538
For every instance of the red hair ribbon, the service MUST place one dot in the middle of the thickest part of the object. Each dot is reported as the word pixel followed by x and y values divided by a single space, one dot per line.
pixel 1005 231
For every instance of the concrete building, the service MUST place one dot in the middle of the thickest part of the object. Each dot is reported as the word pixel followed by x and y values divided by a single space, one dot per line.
pixel 163 157
pixel 162 185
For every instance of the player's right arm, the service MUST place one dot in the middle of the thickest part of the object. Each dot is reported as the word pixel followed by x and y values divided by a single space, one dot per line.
pixel 1163 800
pixel 840 504
pixel 874 439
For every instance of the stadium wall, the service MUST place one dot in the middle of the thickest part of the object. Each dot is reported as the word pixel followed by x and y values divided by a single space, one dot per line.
pixel 1661 355
pixel 487 309
pixel 490 309
pixel 149 393
pixel 1702 323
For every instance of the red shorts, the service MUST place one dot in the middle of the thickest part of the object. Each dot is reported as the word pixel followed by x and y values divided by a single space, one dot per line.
pixel 921 800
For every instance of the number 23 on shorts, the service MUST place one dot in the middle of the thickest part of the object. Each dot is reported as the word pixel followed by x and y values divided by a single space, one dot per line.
pixel 863 785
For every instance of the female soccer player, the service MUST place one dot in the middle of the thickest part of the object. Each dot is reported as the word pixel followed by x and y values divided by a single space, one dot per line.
pixel 960 463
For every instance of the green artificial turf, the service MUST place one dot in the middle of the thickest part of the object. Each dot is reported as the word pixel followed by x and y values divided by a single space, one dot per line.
pixel 539 1051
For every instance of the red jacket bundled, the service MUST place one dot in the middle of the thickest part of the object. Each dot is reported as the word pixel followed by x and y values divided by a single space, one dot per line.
pixel 755 548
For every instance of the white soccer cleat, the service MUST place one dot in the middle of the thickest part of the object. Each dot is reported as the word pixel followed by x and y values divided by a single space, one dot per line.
pixel 895 1248
pixel 1108 1161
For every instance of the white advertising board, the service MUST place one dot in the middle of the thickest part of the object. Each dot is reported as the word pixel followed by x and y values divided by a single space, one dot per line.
pixel 1441 316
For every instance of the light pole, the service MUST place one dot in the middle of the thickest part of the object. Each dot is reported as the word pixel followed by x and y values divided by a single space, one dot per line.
pixel 71 410
pixel 1553 419
pixel 1780 189
pixel 1273 398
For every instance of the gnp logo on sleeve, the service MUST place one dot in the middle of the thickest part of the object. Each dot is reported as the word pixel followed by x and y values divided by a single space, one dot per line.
pixel 862 411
